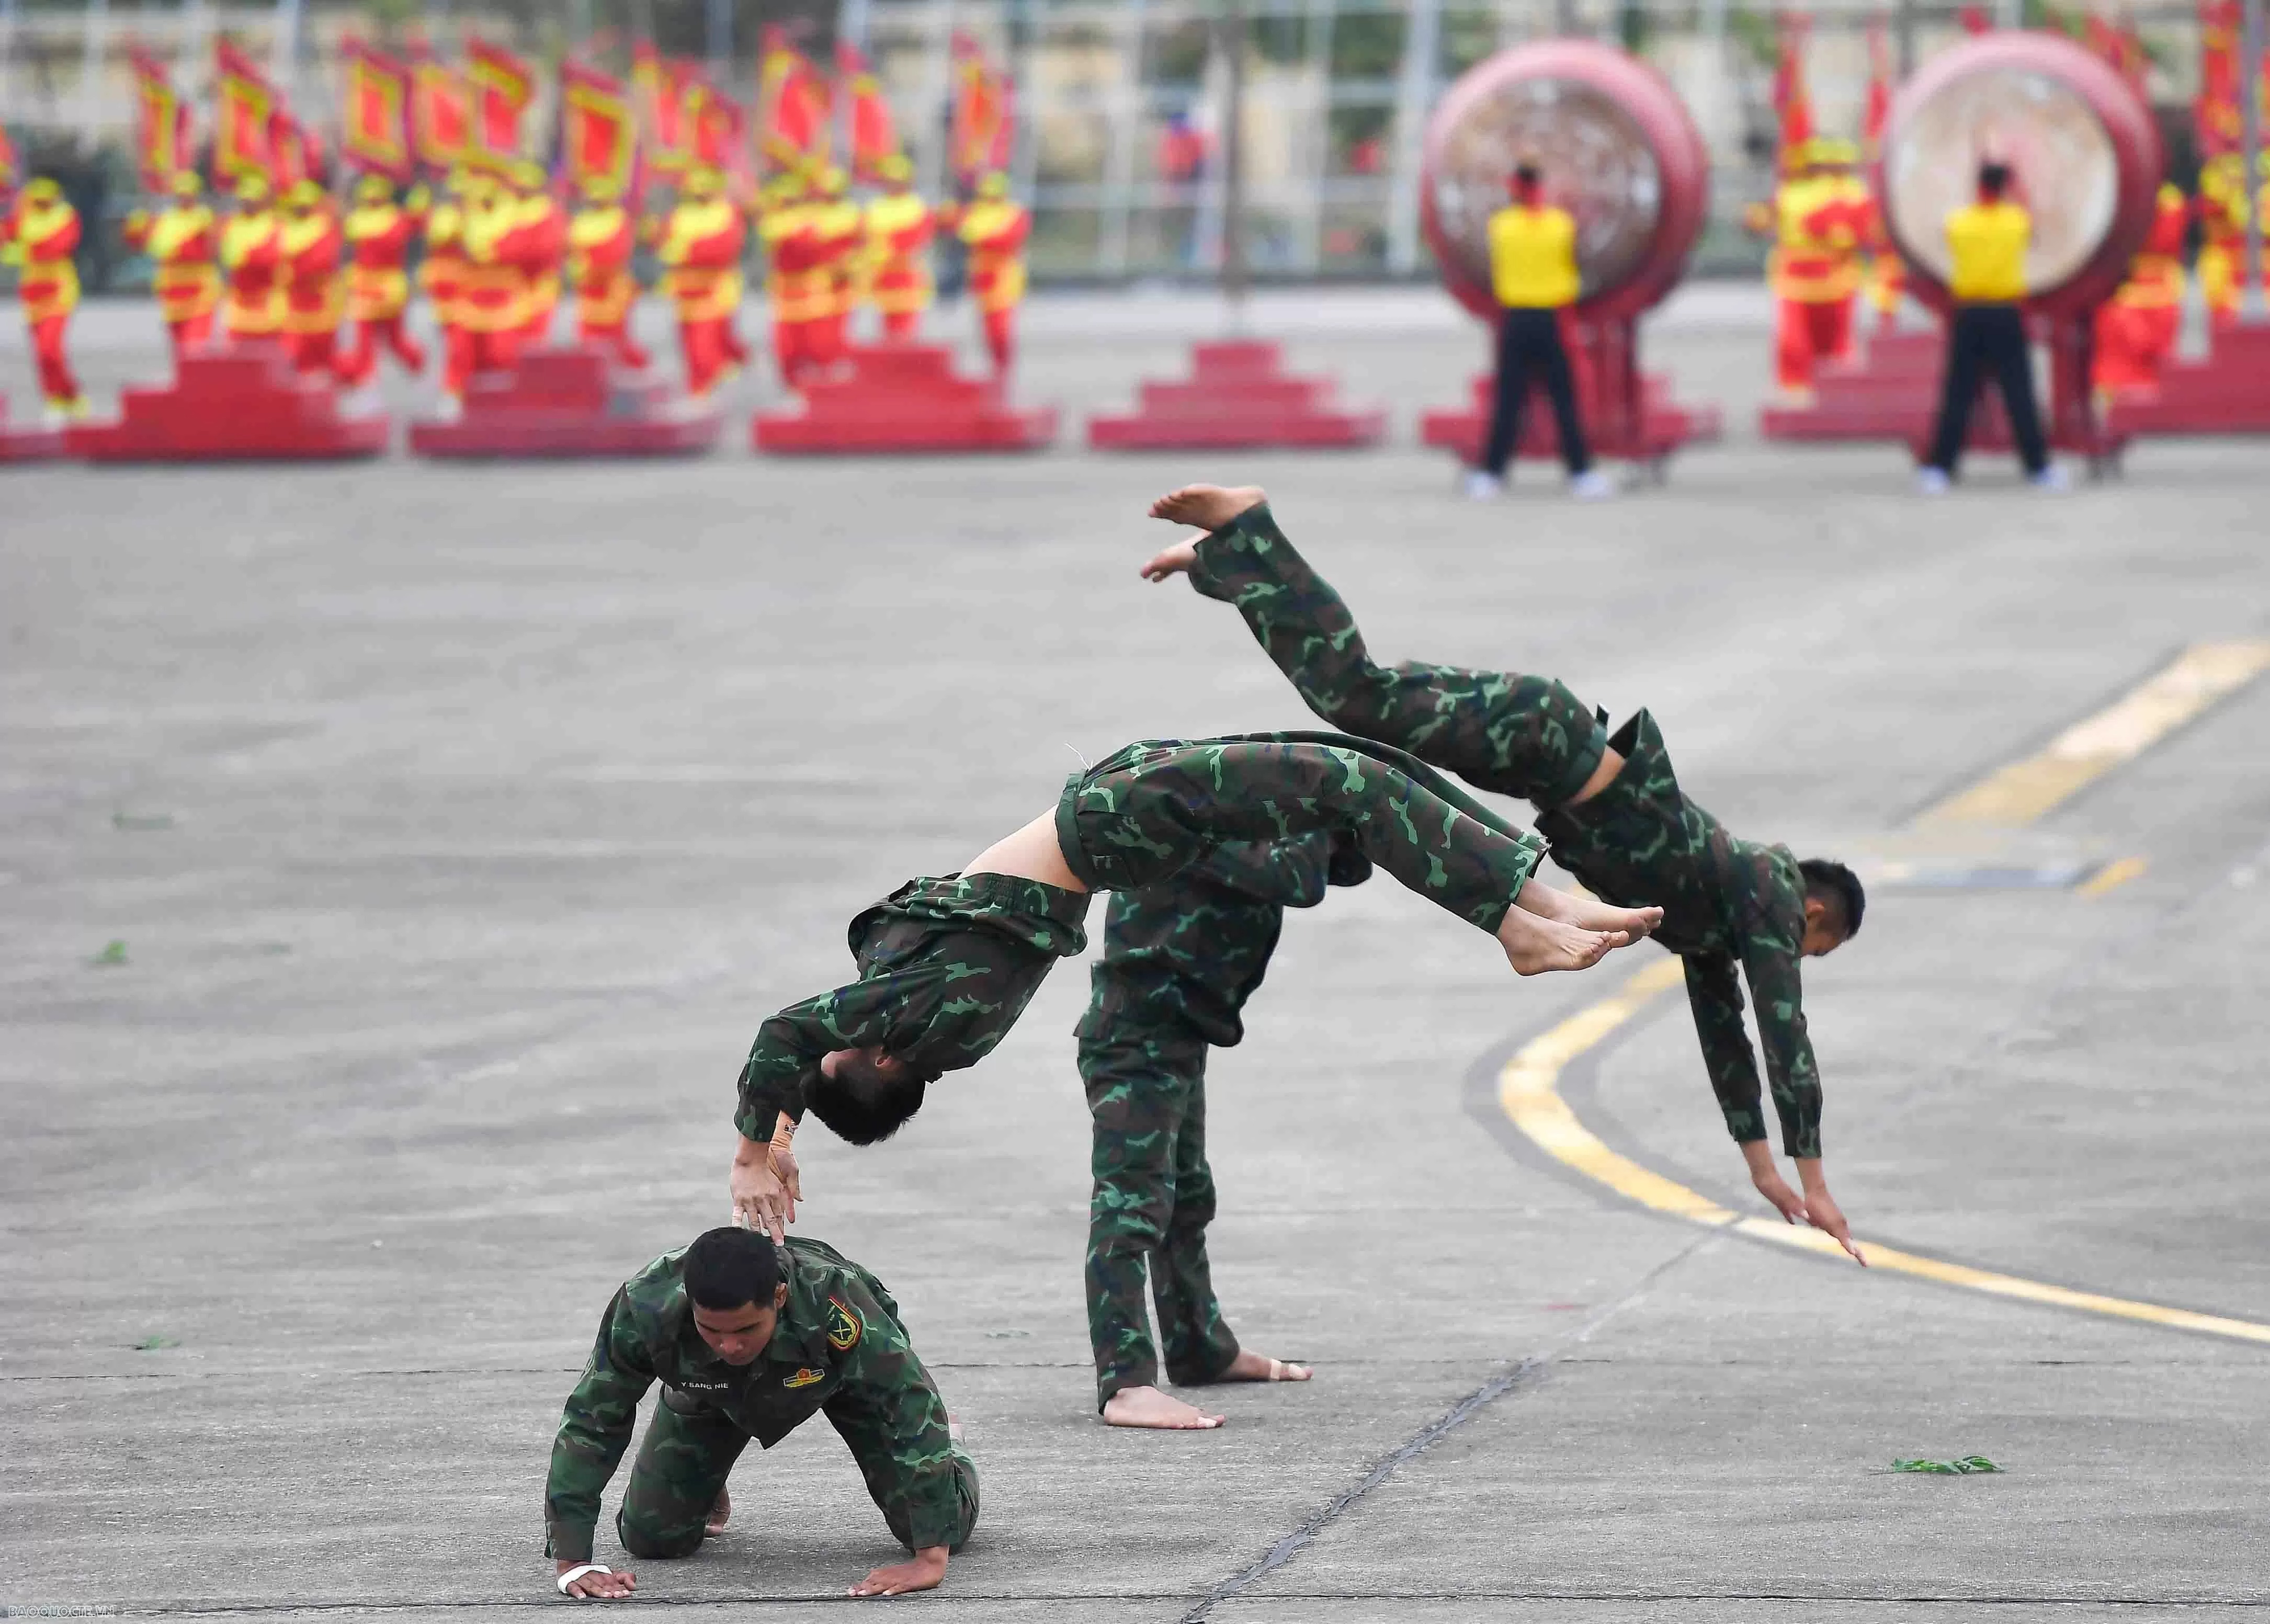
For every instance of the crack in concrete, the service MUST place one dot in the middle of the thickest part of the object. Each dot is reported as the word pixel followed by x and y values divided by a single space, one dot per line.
pixel 1527 1374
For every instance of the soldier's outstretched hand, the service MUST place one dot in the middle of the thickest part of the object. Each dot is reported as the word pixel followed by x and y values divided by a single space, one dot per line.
pixel 1822 1210
pixel 599 1585
pixel 923 1573
pixel 763 1199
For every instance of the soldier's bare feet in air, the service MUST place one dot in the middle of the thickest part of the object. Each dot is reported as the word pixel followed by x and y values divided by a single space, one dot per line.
pixel 1147 1406
pixel 1207 507
pixel 1535 945
pixel 721 1512
pixel 1587 913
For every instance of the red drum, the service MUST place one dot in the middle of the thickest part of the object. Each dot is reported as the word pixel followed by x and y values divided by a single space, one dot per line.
pixel 1618 151
pixel 2078 138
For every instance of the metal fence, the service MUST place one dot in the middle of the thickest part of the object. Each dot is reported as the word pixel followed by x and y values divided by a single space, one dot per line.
pixel 1121 103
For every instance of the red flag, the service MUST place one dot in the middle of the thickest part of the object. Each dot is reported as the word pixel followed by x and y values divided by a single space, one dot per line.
pixel 501 86
pixel 982 114
pixel 1792 107
pixel 441 113
pixel 7 159
pixel 598 131
pixel 295 151
pixel 1974 19
pixel 161 124
pixel 794 108
pixel 659 91
pixel 874 132
pixel 374 114
pixel 1879 91
pixel 244 106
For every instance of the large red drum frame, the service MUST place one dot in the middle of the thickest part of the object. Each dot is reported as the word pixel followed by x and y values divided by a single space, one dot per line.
pixel 1618 148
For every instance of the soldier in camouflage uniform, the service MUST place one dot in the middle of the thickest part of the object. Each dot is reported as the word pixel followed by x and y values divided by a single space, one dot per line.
pixel 946 965
pixel 1610 806
pixel 1180 959
pixel 751 1340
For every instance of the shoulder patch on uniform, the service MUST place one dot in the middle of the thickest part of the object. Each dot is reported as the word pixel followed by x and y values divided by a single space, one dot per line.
pixel 804 1377
pixel 843 1325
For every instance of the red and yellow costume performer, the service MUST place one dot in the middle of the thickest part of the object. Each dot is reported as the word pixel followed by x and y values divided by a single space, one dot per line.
pixel 600 238
pixel 1813 268
pixel 315 285
pixel 700 252
pixel 899 228
pixel 379 231
pixel 492 288
pixel 2223 220
pixel 541 246
pixel 994 228
pixel 2136 327
pixel 183 241
pixel 441 272
pixel 839 236
pixel 252 263
pixel 798 283
pixel 40 233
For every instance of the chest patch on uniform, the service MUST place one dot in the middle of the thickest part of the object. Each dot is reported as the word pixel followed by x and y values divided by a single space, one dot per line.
pixel 843 1326
pixel 804 1377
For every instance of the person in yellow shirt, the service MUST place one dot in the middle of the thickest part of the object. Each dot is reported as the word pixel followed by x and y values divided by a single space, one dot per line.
pixel 1987 242
pixel 1532 245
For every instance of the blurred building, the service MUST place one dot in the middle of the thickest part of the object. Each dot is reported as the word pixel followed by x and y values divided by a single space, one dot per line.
pixel 1120 103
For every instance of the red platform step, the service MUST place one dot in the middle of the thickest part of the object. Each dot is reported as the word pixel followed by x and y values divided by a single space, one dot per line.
pixel 1882 395
pixel 904 397
pixel 1238 395
pixel 570 402
pixel 1662 427
pixel 2228 393
pixel 238 403
pixel 27 442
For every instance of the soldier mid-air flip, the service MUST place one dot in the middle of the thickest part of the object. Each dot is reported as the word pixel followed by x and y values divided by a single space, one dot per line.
pixel 1610 807
pixel 948 964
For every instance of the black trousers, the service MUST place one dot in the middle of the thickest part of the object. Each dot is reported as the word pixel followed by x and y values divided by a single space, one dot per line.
pixel 1986 339
pixel 1529 342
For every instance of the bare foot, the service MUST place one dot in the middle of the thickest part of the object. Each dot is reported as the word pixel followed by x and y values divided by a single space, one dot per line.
pixel 1586 913
pixel 721 1512
pixel 1207 507
pixel 1534 944
pixel 1147 1406
pixel 1251 1367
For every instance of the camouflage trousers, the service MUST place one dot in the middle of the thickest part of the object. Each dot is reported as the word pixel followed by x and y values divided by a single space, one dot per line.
pixel 1149 810
pixel 1154 1199
pixel 1513 733
pixel 688 1453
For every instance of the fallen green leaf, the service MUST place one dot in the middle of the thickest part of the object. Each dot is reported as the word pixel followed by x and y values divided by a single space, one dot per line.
pixel 114 953
pixel 151 1343
pixel 140 821
pixel 1964 1467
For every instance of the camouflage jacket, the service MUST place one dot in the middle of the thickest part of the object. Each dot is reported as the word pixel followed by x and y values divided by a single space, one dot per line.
pixel 1729 905
pixel 1180 959
pixel 838 1347
pixel 945 966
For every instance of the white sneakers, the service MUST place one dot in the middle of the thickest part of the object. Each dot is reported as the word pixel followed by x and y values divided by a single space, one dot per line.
pixel 2053 478
pixel 1591 486
pixel 1932 481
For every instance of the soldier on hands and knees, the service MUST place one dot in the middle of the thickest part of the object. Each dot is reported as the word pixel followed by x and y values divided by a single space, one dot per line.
pixel 1180 959
pixel 751 1340
pixel 946 965
pixel 1610 806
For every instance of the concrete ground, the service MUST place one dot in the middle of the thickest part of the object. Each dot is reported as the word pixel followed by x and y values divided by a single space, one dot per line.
pixel 459 825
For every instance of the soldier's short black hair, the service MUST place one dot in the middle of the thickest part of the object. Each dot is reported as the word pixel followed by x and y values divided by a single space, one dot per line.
pixel 1834 884
pixel 863 1104
pixel 728 1269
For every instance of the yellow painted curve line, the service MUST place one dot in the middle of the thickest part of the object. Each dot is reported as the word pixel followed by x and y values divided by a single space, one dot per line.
pixel 2190 683
pixel 1529 1092
pixel 1529 1087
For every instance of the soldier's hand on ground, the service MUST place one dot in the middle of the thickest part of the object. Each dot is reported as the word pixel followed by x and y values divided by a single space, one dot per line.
pixel 1825 1215
pixel 1175 560
pixel 923 1573
pixel 1779 1195
pixel 597 1586
pixel 761 1200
